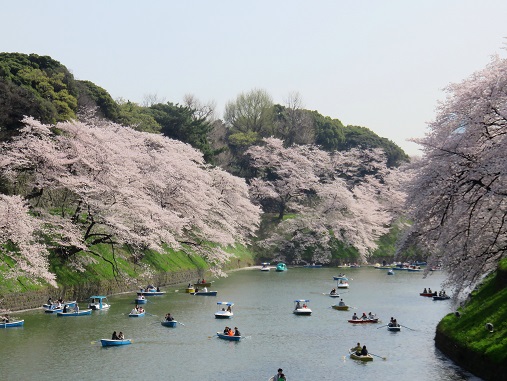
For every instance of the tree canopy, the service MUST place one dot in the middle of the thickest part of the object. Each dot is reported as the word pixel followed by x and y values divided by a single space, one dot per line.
pixel 95 182
pixel 458 198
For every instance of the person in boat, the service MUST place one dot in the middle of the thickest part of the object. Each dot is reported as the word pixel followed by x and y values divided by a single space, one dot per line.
pixel 429 291
pixel 363 316
pixel 304 305
pixel 278 375
pixel 333 291
pixel 355 317
pixel 189 286
pixel 115 336
pixel 364 351
pixel 121 336
pixel 342 303
pixel 5 318
pixel 205 289
pixel 371 316
pixel 425 292
pixel 236 332
pixel 140 310
pixel 65 308
pixel 231 332
pixel 298 306
pixel 50 302
pixel 391 322
pixel 229 309
pixel 168 317
pixel 76 308
pixel 134 311
pixel 226 330
pixel 357 348
pixel 158 289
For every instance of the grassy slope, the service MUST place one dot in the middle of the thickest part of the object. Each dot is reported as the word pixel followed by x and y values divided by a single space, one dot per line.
pixel 100 269
pixel 488 304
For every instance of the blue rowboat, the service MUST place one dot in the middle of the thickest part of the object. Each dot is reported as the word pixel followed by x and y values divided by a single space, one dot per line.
pixel 53 311
pixel 75 313
pixel 205 293
pixel 140 301
pixel 227 337
pixel 141 314
pixel 172 323
pixel 150 292
pixel 341 277
pixel 114 343
pixel 281 267
pixel 18 323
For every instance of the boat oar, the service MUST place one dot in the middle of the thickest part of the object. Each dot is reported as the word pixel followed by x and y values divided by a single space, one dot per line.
pixel 385 325
pixel 373 354
pixel 408 327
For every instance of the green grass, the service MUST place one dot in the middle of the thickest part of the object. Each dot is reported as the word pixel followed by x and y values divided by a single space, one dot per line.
pixel 487 305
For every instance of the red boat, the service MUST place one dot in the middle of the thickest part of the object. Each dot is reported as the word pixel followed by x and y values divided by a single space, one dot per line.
pixel 362 321
pixel 428 294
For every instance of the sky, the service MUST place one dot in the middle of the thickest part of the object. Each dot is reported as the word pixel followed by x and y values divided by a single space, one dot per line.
pixel 374 63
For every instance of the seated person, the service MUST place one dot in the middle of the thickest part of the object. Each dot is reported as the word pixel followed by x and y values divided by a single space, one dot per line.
pixel 364 351
pixel 168 317
pixel 364 317
pixel 121 336
pixel 342 303
pixel 371 316
pixel 355 317
pixel 236 332
pixel 226 330
pixel 333 291
pixel 65 308
pixel 115 336
pixel 357 348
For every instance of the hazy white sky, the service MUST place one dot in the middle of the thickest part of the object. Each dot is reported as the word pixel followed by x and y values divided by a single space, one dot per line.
pixel 374 63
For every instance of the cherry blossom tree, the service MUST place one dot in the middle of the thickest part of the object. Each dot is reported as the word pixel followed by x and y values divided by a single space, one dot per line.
pixel 21 241
pixel 332 199
pixel 458 198
pixel 97 182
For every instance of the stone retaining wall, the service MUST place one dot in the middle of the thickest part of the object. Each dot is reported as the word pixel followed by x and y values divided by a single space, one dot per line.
pixel 82 292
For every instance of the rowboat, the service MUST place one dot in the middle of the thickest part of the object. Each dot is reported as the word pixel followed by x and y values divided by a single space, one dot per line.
pixel 150 292
pixel 354 356
pixel 428 294
pixel 227 337
pixel 140 299
pixel 340 277
pixel 167 323
pixel 139 314
pixel 10 324
pixel 265 266
pixel 441 297
pixel 75 313
pixel 362 321
pixel 222 312
pixel 53 306
pixel 205 293
pixel 53 311
pixel 394 328
pixel 301 309
pixel 113 343
pixel 281 267
pixel 342 284
pixel 334 295
pixel 341 308
pixel 98 302
pixel 202 284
